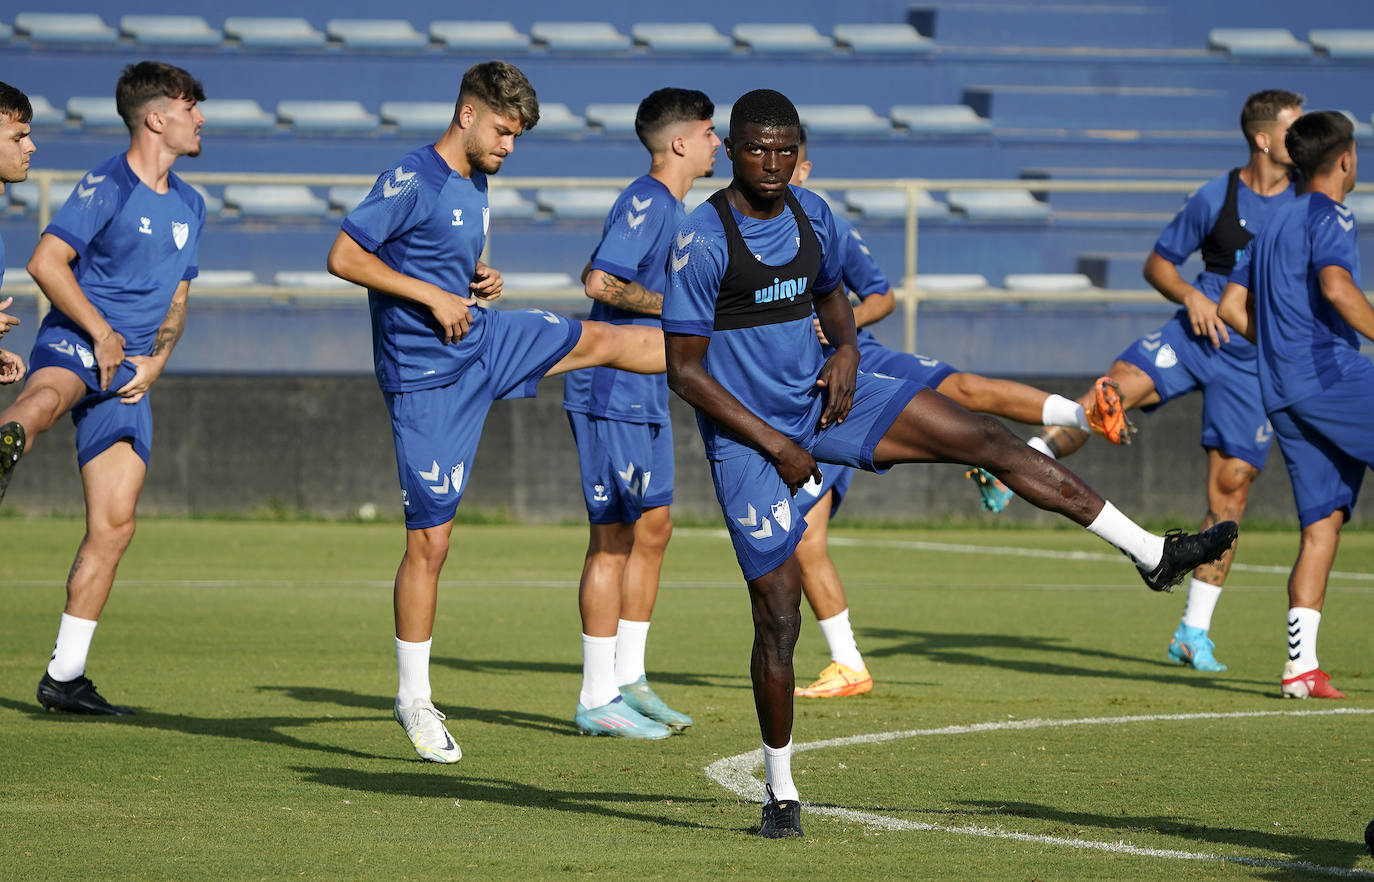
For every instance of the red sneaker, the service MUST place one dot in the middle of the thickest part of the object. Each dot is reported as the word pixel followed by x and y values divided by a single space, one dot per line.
pixel 1315 683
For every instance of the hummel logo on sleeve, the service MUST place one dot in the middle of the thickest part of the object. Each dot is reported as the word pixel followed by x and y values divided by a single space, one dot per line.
pixel 683 240
pixel 640 206
pixel 680 260
pixel 84 192
pixel 634 219
pixel 94 179
pixel 397 182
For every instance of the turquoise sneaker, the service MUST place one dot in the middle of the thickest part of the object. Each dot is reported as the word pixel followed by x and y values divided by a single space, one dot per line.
pixel 995 493
pixel 1192 646
pixel 639 696
pixel 617 718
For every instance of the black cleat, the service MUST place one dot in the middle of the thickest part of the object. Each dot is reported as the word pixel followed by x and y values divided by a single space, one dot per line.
pixel 781 818
pixel 1183 552
pixel 1369 838
pixel 11 448
pixel 76 696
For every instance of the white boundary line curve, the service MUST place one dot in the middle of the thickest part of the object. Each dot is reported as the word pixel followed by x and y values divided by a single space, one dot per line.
pixel 736 774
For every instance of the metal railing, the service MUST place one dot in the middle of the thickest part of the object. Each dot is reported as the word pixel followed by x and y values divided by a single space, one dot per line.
pixel 909 293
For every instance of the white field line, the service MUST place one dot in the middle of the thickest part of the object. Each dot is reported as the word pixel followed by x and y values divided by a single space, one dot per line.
pixel 736 774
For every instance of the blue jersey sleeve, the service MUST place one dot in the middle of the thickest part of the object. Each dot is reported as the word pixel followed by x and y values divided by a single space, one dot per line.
pixel 197 204
pixel 696 265
pixel 88 210
pixel 831 273
pixel 861 272
pixel 1190 226
pixel 1333 239
pixel 1240 273
pixel 631 232
pixel 393 206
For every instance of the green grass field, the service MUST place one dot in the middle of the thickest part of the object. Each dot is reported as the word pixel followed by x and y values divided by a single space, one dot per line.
pixel 259 658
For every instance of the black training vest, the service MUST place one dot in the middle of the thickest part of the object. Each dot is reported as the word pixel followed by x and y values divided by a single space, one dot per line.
pixel 753 293
pixel 1227 237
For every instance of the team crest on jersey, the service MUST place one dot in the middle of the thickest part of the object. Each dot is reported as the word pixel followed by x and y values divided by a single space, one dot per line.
pixel 782 513
pixel 1166 357
pixel 180 233
pixel 486 219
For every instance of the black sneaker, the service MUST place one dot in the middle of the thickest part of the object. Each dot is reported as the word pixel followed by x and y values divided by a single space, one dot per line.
pixel 1183 552
pixel 781 818
pixel 76 696
pixel 11 448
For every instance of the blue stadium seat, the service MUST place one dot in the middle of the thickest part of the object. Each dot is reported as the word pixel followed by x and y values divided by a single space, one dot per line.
pixel 1363 130
pixel 492 37
pixel 1001 205
pixel 25 194
pixel 6 32
pixel 1343 42
pixel 882 39
pixel 1362 204
pixel 890 205
pixel 169 30
pixel 212 278
pixel 595 37
pixel 274 200
pixel 686 37
pixel 1258 43
pixel 326 116
pixel 940 119
pixel 577 203
pixel 556 118
pixel 522 282
pixel 1047 283
pixel 950 283
pixel 773 38
pixel 277 33
pixel 345 197
pixel 508 204
pixel 44 114
pixel 418 117
pixel 315 281
pixel 613 119
pixel 237 114
pixel 213 204
pixel 843 120
pixel 60 27
pixel 722 118
pixel 95 112
pixel 375 33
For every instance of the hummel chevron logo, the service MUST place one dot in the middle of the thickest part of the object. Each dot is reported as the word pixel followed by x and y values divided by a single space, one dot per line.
pixel 1264 433
pixel 94 179
pixel 635 219
pixel 1151 342
pixel 684 240
pixel 397 183
pixel 640 206
pixel 64 347
pixel 84 192
pixel 1346 225
pixel 764 531
pixel 1343 211
pixel 680 260
pixel 433 475
pixel 628 476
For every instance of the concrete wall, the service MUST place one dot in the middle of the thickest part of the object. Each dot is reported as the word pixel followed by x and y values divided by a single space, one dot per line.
pixel 323 445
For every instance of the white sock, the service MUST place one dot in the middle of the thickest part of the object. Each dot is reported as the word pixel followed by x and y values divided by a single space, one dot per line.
pixel 1038 444
pixel 630 638
pixel 1143 546
pixel 1060 411
pixel 412 671
pixel 598 672
pixel 1202 601
pixel 73 645
pixel 777 771
pixel 839 636
pixel 1302 638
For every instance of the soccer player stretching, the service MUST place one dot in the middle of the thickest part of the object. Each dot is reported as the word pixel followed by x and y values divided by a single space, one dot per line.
pixel 16 147
pixel 413 242
pixel 1298 299
pixel 746 271
pixel 621 425
pixel 116 262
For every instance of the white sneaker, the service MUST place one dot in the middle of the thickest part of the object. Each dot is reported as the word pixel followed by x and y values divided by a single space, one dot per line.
pixel 424 726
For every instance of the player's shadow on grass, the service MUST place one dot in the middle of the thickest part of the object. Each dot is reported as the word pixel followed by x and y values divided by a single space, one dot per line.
pixel 424 783
pixel 971 649
pixel 516 666
pixel 264 730
pixel 1269 841
pixel 460 713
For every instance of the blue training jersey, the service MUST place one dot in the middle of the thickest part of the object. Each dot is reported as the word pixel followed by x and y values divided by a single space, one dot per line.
pixel 770 368
pixel 862 277
pixel 426 221
pixel 634 245
pixel 1304 344
pixel 133 246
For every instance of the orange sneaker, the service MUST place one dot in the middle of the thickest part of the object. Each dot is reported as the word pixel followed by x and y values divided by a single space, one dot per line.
pixel 1106 415
pixel 1309 684
pixel 836 681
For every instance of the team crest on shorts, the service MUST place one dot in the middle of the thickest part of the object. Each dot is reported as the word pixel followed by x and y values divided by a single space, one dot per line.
pixel 782 513
pixel 1166 357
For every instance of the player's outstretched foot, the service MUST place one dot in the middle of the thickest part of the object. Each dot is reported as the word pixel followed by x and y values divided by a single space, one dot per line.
pixel 11 448
pixel 994 493
pixel 1184 552
pixel 1106 414
pixel 77 697
pixel 837 680
pixel 1309 684
pixel 641 698
pixel 1192 646
pixel 781 818
pixel 617 718
pixel 425 728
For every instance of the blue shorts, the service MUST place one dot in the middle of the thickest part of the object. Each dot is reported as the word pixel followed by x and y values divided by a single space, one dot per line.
pixel 1179 362
pixel 875 358
pixel 834 479
pixel 764 520
pixel 626 467
pixel 102 419
pixel 436 430
pixel 1327 443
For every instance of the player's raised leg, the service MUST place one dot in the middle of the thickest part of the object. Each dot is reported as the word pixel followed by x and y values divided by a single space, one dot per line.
pixel 49 393
pixel 1124 388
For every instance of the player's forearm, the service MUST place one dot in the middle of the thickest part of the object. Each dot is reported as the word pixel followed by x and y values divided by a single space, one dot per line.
pixel 172 326
pixel 351 262
pixel 1349 301
pixel 837 318
pixel 874 308
pixel 698 388
pixel 1236 308
pixel 622 294
pixel 1163 277
pixel 59 285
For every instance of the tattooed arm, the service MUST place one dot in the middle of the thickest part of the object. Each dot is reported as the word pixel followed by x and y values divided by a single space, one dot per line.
pixel 148 368
pixel 615 291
